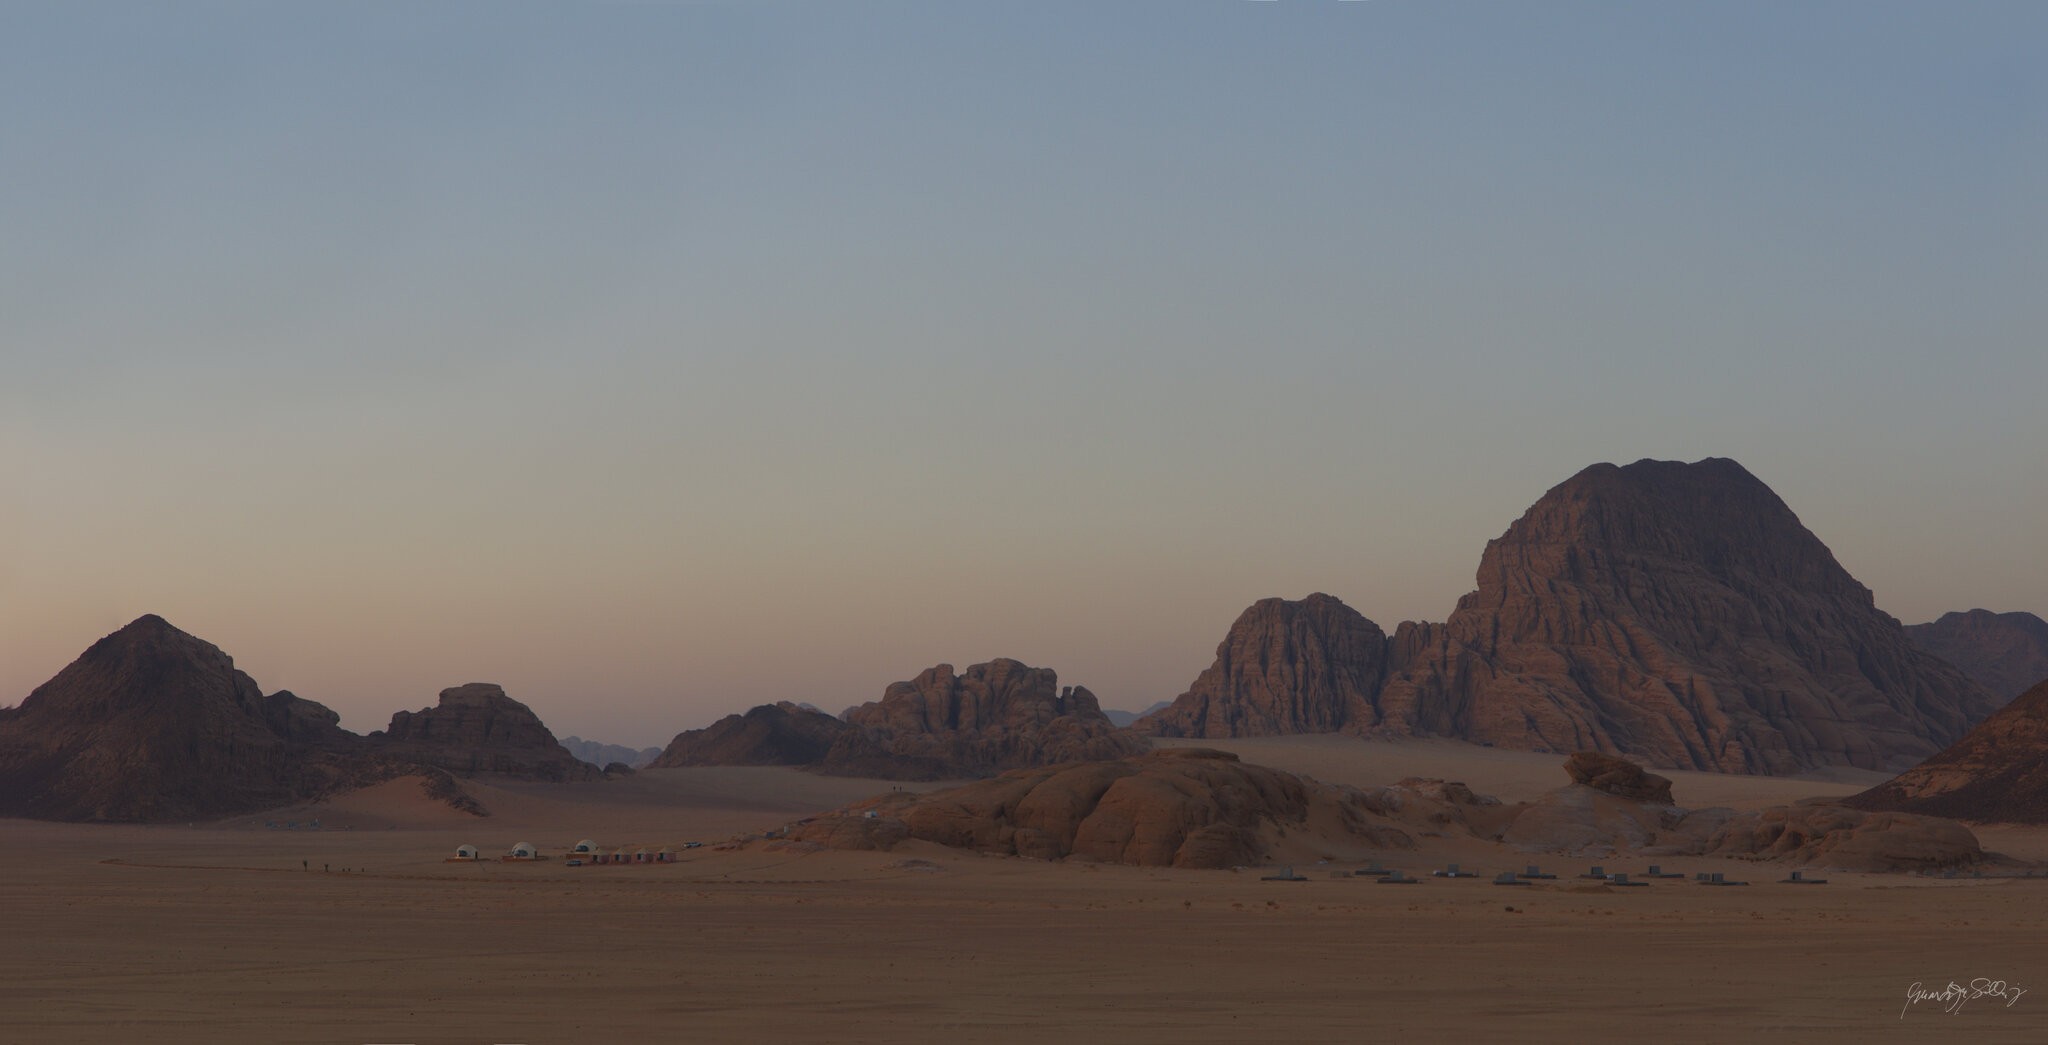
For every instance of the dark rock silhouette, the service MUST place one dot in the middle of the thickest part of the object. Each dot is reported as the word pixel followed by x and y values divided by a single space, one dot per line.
pixel 153 724
pixel 782 734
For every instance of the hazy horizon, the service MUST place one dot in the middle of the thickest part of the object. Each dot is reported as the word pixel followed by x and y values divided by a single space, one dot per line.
pixel 656 360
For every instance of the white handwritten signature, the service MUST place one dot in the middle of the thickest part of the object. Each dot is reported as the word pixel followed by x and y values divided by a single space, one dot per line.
pixel 1952 996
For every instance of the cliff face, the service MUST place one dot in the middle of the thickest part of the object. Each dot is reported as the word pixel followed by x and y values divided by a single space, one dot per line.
pixel 994 716
pixel 1996 772
pixel 1682 613
pixel 153 724
pixel 478 729
pixel 2006 653
pixel 1676 612
pixel 1308 666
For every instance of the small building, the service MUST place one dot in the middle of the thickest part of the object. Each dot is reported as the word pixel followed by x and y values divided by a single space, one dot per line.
pixel 523 851
pixel 642 856
pixel 463 853
pixel 623 856
pixel 665 856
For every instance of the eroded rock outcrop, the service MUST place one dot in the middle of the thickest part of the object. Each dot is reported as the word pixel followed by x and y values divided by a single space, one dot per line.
pixel 1186 807
pixel 1998 772
pixel 2006 653
pixel 1308 666
pixel 1585 819
pixel 992 717
pixel 476 728
pixel 1618 777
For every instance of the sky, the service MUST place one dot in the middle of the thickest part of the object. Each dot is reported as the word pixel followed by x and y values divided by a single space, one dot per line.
pixel 658 359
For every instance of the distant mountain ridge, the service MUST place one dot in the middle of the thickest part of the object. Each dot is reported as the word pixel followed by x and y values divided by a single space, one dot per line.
pixel 601 754
pixel 1675 612
pixel 2006 653
pixel 1122 719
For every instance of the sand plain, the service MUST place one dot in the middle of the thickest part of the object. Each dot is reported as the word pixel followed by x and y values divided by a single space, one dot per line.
pixel 220 932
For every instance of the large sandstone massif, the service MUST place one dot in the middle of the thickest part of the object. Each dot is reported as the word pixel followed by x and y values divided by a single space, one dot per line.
pixel 153 724
pixel 1674 612
pixel 940 725
pixel 478 729
pixel 1998 772
pixel 2006 653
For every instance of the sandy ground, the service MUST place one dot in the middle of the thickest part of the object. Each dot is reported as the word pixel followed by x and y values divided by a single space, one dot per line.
pixel 217 932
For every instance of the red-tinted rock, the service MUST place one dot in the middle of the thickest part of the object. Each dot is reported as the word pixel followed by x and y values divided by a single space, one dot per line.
pixel 992 717
pixel 1178 808
pixel 153 724
pixel 1307 666
pixel 1618 777
pixel 1997 772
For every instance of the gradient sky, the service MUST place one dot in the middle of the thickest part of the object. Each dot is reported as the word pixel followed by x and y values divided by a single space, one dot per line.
pixel 658 359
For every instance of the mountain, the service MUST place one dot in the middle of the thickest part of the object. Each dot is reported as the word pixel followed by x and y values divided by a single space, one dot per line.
pixel 1312 666
pixel 782 734
pixel 478 729
pixel 1997 772
pixel 992 717
pixel 153 724
pixel 2006 653
pixel 598 754
pixel 1675 612
pixel 1121 719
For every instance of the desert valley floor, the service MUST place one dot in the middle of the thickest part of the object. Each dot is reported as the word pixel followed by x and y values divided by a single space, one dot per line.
pixel 214 932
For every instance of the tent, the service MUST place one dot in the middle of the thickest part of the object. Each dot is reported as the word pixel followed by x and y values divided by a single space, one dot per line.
pixel 522 851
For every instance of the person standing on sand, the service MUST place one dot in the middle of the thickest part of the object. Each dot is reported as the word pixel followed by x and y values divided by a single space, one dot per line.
pixel 303 866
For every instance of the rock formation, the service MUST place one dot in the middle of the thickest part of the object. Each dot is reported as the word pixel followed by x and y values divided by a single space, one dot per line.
pixel 1313 666
pixel 152 724
pixel 1594 816
pixel 478 729
pixel 782 734
pixel 1673 612
pixel 1618 777
pixel 1186 807
pixel 1998 772
pixel 992 717
pixel 2006 653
